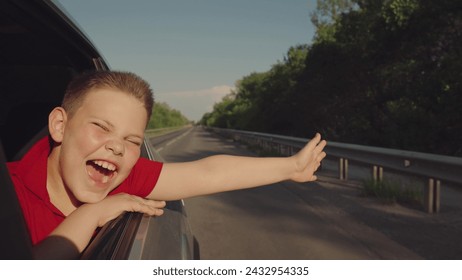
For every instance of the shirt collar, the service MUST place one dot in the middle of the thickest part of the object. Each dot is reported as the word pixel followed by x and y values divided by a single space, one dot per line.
pixel 33 169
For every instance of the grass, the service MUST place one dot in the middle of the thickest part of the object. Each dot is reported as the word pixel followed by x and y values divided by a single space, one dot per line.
pixel 261 152
pixel 393 192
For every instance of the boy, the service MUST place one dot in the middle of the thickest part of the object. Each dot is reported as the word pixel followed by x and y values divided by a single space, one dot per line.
pixel 89 170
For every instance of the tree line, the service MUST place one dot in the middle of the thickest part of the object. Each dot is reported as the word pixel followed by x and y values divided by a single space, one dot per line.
pixel 165 116
pixel 379 72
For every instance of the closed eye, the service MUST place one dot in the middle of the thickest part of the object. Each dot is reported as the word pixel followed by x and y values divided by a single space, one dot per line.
pixel 102 126
pixel 135 142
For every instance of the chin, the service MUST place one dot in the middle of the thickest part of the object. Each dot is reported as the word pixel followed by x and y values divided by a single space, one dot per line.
pixel 90 197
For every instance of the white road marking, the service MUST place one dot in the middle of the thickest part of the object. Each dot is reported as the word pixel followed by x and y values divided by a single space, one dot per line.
pixel 175 140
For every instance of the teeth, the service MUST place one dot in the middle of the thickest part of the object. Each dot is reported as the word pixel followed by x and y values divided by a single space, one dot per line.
pixel 104 164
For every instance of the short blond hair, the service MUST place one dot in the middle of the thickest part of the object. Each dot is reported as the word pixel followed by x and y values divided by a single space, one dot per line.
pixel 126 82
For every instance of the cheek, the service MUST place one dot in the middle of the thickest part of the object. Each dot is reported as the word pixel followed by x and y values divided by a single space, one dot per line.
pixel 132 155
pixel 94 135
pixel 86 138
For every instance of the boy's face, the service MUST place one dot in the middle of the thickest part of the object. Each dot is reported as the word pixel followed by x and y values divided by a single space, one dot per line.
pixel 101 143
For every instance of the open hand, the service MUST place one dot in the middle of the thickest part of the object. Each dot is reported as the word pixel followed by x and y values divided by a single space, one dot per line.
pixel 112 206
pixel 308 160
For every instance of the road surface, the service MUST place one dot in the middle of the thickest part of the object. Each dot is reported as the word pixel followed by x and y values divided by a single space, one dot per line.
pixel 326 219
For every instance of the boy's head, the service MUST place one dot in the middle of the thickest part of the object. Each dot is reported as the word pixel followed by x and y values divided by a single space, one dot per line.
pixel 97 133
pixel 126 82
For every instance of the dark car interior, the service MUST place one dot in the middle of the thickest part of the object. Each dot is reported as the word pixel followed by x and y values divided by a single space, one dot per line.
pixel 37 60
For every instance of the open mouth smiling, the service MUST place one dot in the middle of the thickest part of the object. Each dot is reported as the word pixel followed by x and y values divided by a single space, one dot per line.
pixel 101 171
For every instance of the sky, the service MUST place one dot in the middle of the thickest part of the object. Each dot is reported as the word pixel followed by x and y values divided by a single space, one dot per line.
pixel 193 52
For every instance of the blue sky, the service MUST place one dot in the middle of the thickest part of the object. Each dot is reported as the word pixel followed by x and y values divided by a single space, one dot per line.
pixel 193 52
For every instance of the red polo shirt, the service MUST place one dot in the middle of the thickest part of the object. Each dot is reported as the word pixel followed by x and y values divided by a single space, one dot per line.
pixel 29 176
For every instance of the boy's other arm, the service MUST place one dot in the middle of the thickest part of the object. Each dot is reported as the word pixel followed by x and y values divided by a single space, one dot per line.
pixel 224 173
pixel 79 227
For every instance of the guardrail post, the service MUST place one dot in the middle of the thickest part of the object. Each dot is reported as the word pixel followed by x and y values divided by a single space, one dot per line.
pixel 377 173
pixel 343 169
pixel 432 196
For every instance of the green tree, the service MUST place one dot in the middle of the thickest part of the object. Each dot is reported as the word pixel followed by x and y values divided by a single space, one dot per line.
pixel 326 16
pixel 380 73
pixel 164 116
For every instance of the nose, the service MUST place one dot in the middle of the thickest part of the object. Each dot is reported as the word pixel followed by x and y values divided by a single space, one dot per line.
pixel 116 147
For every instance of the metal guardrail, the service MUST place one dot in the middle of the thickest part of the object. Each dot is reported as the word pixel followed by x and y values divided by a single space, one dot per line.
pixel 434 168
pixel 165 130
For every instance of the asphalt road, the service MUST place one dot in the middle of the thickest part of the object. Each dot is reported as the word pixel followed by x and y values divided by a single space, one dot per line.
pixel 319 220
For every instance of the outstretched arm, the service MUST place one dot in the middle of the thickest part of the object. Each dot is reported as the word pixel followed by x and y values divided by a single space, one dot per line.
pixel 224 173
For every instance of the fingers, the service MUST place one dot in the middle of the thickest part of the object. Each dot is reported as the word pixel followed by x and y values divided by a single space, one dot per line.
pixel 113 205
pixel 321 156
pixel 157 206
pixel 315 147
pixel 157 203
pixel 318 149
pixel 308 160
pixel 320 144
pixel 319 153
pixel 316 144
pixel 314 141
pixel 149 207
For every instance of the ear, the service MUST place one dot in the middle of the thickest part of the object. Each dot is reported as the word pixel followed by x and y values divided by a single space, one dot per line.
pixel 56 123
